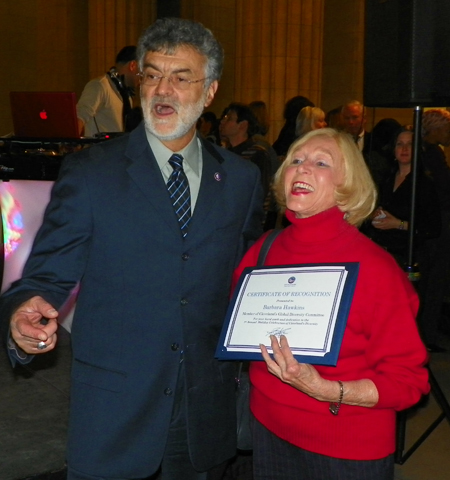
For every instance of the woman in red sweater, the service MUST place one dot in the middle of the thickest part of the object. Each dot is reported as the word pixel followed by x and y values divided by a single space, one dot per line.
pixel 327 191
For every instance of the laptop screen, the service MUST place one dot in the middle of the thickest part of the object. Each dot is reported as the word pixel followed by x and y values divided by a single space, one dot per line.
pixel 44 114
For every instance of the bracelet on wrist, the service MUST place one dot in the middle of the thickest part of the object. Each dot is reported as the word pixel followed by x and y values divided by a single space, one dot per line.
pixel 335 406
pixel 402 225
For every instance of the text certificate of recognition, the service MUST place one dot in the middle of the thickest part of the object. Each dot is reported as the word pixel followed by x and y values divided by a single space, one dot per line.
pixel 309 304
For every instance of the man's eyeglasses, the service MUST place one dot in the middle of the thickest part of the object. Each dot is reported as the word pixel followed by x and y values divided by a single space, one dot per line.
pixel 177 81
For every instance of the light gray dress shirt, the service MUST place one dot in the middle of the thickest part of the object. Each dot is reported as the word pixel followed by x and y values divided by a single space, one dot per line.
pixel 192 162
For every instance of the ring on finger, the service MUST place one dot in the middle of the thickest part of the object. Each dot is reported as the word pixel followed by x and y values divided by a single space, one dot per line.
pixel 41 346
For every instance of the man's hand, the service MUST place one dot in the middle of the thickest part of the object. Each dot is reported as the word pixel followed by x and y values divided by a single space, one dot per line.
pixel 33 326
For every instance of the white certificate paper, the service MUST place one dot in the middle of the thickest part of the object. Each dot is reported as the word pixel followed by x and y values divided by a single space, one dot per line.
pixel 309 304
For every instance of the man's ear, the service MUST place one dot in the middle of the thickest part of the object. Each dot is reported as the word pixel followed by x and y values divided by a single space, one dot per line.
pixel 212 89
pixel 133 66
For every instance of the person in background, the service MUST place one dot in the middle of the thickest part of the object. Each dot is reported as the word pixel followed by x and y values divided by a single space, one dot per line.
pixel 259 109
pixel 105 104
pixel 334 119
pixel 287 132
pixel 379 153
pixel 148 398
pixel 391 219
pixel 237 127
pixel 435 134
pixel 353 118
pixel 308 119
pixel 336 422
pixel 208 127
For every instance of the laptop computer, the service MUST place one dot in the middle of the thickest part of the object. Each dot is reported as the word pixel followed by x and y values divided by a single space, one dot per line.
pixel 44 114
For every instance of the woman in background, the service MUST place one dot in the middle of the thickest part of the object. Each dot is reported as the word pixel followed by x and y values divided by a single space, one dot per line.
pixel 287 132
pixel 391 220
pixel 309 119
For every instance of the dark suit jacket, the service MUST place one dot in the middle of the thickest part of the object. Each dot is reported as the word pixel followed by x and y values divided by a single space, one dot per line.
pixel 145 295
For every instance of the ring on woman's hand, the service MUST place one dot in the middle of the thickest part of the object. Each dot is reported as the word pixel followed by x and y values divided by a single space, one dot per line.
pixel 41 346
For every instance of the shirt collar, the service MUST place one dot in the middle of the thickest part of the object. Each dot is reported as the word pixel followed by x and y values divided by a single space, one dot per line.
pixel 190 153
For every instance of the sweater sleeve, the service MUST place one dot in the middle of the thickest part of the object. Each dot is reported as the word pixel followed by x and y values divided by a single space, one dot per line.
pixel 395 353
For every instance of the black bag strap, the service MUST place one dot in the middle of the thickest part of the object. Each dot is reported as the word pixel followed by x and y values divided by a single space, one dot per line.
pixel 266 246
pixel 243 366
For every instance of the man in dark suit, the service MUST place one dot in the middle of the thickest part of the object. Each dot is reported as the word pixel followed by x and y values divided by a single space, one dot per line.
pixel 152 239
pixel 353 118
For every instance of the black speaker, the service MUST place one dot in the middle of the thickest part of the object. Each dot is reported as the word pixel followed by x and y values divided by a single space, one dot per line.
pixel 407 53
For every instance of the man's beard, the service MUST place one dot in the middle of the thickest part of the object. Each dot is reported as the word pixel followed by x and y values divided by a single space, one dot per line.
pixel 186 115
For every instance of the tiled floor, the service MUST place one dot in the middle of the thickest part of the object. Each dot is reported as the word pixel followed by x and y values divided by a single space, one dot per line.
pixel 34 406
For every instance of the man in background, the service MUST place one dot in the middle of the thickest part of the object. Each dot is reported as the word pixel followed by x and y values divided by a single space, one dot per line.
pixel 237 126
pixel 353 120
pixel 106 104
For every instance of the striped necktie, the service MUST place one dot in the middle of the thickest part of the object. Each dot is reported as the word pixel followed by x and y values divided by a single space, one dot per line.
pixel 180 195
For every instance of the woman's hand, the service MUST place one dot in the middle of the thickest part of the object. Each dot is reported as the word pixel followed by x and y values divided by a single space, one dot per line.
pixel 306 378
pixel 389 222
pixel 302 376
pixel 377 213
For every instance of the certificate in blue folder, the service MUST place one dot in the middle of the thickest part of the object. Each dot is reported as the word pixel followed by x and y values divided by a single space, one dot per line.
pixel 308 303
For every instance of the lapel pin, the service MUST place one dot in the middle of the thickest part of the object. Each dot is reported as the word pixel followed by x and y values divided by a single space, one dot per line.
pixel 217 177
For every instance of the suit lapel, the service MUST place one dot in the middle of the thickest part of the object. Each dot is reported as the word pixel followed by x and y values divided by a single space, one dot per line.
pixel 212 184
pixel 145 173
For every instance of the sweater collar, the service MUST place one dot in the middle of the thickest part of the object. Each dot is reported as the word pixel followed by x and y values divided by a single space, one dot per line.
pixel 319 228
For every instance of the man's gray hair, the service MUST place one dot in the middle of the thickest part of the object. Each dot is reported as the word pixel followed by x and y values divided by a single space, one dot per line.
pixel 166 35
pixel 353 103
pixel 433 119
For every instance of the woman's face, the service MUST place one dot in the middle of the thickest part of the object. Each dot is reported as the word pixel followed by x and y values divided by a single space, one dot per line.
pixel 403 148
pixel 310 180
pixel 320 123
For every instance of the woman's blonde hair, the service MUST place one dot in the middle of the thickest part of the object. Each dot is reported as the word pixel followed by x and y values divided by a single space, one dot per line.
pixel 306 120
pixel 356 196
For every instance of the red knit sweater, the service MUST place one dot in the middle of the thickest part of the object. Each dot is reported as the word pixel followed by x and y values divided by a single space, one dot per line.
pixel 380 343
